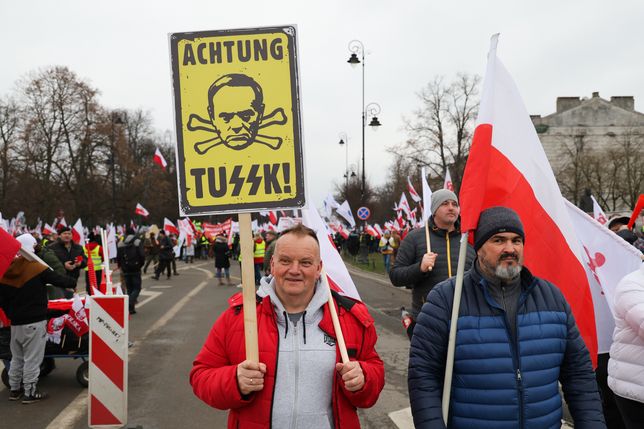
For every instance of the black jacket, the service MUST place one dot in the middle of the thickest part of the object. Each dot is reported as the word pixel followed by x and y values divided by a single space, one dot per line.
pixel 132 267
pixel 406 269
pixel 28 303
pixel 65 255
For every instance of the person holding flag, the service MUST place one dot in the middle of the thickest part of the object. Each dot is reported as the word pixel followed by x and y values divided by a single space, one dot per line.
pixel 94 251
pixel 23 297
pixel 310 386
pixel 422 268
pixel 517 340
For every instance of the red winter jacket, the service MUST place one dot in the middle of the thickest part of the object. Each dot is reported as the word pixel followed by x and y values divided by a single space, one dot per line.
pixel 213 376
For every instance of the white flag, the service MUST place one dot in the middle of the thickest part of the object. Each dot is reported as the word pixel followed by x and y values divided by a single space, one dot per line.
pixel 448 181
pixel 329 204
pixel 607 258
pixel 345 211
pixel 427 196
pixel 336 271
pixel 598 213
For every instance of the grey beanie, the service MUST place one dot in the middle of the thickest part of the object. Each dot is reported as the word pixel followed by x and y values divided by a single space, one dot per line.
pixel 440 196
pixel 494 220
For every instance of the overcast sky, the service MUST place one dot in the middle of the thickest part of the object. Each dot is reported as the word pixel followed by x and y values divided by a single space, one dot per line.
pixel 552 48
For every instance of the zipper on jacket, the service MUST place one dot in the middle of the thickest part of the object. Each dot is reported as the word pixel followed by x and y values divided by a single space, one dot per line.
pixel 449 256
pixel 520 386
pixel 514 350
pixel 296 345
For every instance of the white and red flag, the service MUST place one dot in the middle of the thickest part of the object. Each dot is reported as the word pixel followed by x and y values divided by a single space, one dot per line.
pixel 140 210
pixel 170 227
pixel 412 191
pixel 598 213
pixel 78 233
pixel 607 259
pixel 336 271
pixel 371 231
pixel 159 159
pixel 404 205
pixel 448 181
pixel 508 167
pixel 47 229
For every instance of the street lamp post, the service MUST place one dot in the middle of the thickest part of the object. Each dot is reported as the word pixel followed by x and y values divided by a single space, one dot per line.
pixel 356 47
pixel 116 119
pixel 344 141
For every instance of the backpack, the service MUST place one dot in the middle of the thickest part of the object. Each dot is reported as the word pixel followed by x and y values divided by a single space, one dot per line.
pixel 131 261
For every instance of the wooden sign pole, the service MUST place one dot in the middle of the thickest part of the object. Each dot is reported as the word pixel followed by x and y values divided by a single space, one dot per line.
pixel 248 286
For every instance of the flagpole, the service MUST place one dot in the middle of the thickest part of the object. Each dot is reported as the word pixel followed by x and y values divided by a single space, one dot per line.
pixel 248 287
pixel 451 346
pixel 429 244
pixel 334 317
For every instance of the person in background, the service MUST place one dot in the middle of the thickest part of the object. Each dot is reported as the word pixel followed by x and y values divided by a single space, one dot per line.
pixel 421 269
pixel 130 258
pixel 94 251
pixel 259 250
pixel 626 362
pixel 221 252
pixel 271 237
pixel 23 297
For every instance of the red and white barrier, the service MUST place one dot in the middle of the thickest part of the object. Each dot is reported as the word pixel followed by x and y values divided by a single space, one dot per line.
pixel 108 358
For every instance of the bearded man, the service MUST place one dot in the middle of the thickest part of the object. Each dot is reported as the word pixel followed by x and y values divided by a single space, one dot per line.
pixel 516 341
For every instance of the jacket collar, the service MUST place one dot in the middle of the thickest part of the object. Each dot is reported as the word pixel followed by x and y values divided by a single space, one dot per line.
pixel 441 231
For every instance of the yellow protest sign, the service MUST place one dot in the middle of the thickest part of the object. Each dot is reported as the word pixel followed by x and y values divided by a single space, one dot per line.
pixel 237 113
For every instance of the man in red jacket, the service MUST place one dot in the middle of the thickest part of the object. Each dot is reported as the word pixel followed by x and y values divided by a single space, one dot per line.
pixel 300 381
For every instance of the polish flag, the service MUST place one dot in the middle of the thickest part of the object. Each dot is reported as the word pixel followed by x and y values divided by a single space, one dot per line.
pixel 47 229
pixel 448 181
pixel 508 167
pixel 169 227
pixel 377 228
pixel 372 231
pixel 159 159
pixel 412 191
pixel 78 233
pixel 427 196
pixel 336 271
pixel 598 213
pixel 140 210
pixel 404 205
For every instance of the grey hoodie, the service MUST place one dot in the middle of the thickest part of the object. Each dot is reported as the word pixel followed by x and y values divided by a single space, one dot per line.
pixel 305 364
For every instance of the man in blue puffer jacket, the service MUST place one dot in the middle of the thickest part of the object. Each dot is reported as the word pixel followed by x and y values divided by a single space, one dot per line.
pixel 516 339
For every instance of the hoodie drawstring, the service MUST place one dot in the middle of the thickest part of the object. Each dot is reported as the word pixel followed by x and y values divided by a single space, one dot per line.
pixel 285 320
pixel 304 325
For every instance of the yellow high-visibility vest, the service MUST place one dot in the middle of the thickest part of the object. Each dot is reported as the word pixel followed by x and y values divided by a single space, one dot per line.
pixel 96 257
pixel 260 250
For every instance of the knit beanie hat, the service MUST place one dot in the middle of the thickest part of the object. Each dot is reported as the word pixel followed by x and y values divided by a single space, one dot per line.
pixel 495 220
pixel 440 196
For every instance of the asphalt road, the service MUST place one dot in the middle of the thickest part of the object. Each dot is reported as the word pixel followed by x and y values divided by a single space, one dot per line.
pixel 172 321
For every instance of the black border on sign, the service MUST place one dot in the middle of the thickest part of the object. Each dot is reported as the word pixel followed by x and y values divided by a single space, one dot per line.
pixel 299 200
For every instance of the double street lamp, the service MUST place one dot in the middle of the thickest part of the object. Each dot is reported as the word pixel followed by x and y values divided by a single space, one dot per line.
pixel 370 110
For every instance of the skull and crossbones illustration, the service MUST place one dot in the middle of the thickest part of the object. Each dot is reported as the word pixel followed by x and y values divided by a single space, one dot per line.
pixel 236 114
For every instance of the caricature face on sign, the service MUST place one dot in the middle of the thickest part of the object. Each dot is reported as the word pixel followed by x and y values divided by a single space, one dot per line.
pixel 238 120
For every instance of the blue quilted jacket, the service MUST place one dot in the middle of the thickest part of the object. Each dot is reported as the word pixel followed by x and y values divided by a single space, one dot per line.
pixel 500 383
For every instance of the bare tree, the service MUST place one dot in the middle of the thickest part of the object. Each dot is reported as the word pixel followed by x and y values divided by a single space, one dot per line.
pixel 9 129
pixel 441 129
